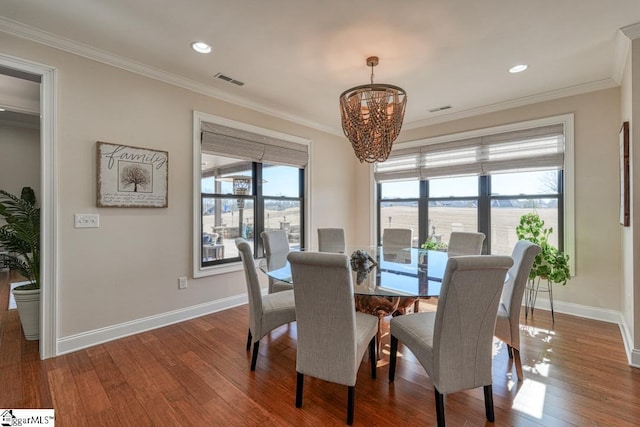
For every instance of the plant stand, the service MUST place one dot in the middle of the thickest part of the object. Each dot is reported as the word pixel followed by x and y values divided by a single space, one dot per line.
pixel 531 295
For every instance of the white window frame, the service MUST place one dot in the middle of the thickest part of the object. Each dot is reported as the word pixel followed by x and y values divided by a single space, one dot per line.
pixel 569 169
pixel 198 118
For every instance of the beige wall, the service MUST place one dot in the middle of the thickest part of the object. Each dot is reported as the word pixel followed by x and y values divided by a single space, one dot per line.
pixel 627 282
pixel 598 241
pixel 128 268
pixel 19 159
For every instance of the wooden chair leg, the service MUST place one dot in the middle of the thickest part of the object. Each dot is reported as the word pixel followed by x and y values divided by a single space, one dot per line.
pixel 350 398
pixel 518 361
pixel 439 408
pixel 416 306
pixel 488 403
pixel 249 341
pixel 378 337
pixel 254 356
pixel 372 357
pixel 510 351
pixel 299 387
pixel 392 358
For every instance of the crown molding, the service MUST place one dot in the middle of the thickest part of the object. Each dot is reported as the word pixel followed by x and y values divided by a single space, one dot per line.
pixel 621 53
pixel 514 103
pixel 632 31
pixel 48 39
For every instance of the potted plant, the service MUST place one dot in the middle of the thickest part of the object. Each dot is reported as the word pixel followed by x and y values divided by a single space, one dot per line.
pixel 550 265
pixel 20 237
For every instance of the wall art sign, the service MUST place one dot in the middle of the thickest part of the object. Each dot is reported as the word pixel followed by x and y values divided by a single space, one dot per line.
pixel 625 205
pixel 132 177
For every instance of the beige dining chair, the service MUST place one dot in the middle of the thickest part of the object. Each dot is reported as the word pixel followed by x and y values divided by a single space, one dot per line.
pixel 508 320
pixel 454 344
pixel 331 240
pixel 465 243
pixel 332 336
pixel 460 243
pixel 266 312
pixel 398 238
pixel 276 242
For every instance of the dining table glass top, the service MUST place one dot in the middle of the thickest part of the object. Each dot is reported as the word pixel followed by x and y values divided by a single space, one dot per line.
pixel 381 271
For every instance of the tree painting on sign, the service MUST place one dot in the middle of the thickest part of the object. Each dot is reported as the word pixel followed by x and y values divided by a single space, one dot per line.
pixel 131 176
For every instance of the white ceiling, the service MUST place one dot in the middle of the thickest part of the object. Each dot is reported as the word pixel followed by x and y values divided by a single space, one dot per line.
pixel 296 56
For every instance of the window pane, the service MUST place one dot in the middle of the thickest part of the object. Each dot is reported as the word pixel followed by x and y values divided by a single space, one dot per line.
pixel 463 186
pixel 280 181
pixel 224 219
pixel 284 215
pixel 448 216
pixel 224 175
pixel 505 219
pixel 400 190
pixel 400 215
pixel 539 182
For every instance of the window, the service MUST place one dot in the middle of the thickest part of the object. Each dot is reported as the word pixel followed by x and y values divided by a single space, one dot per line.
pixel 482 181
pixel 248 180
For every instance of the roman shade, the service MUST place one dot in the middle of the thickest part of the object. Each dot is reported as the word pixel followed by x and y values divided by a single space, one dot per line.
pixel 520 150
pixel 230 142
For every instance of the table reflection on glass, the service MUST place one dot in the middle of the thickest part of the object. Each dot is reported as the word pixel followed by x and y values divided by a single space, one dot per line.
pixel 392 279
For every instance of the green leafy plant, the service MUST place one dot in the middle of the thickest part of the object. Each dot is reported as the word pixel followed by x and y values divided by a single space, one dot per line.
pixel 20 236
pixel 434 245
pixel 550 264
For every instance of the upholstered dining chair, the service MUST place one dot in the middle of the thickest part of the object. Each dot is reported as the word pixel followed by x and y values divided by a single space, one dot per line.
pixel 398 238
pixel 454 344
pixel 508 320
pixel 331 240
pixel 465 243
pixel 276 242
pixel 265 312
pixel 332 336
pixel 460 243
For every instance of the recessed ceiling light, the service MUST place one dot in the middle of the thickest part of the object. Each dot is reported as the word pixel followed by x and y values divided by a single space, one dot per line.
pixel 201 47
pixel 518 68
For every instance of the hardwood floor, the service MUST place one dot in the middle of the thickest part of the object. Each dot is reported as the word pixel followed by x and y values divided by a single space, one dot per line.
pixel 197 373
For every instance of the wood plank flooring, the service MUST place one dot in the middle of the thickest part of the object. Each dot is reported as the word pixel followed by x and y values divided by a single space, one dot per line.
pixel 197 373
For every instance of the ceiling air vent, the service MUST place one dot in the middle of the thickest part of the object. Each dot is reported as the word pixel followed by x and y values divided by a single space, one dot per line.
pixel 228 79
pixel 435 110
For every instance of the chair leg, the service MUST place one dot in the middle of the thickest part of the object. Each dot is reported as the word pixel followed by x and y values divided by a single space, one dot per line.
pixel 254 356
pixel 553 319
pixel 392 358
pixel 299 387
pixel 350 397
pixel 488 403
pixel 439 408
pixel 518 361
pixel 372 357
pixel 249 341
pixel 379 337
pixel 510 351
pixel 416 306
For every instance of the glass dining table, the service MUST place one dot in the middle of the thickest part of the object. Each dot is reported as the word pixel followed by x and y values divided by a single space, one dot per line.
pixel 385 280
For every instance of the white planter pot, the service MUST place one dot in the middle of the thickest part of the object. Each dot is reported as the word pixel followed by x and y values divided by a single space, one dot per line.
pixel 28 302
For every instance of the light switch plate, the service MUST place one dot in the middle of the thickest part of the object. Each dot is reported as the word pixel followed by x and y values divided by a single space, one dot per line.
pixel 87 220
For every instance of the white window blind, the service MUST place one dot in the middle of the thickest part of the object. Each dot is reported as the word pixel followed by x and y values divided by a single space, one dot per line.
pixel 528 149
pixel 240 144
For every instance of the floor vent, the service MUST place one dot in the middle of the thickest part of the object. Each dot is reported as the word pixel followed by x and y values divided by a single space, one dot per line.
pixel 228 79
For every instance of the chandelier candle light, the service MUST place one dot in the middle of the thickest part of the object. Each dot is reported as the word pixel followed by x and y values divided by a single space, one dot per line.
pixel 372 117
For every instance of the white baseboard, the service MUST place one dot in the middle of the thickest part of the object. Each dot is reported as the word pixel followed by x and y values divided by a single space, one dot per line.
pixel 98 336
pixel 595 313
